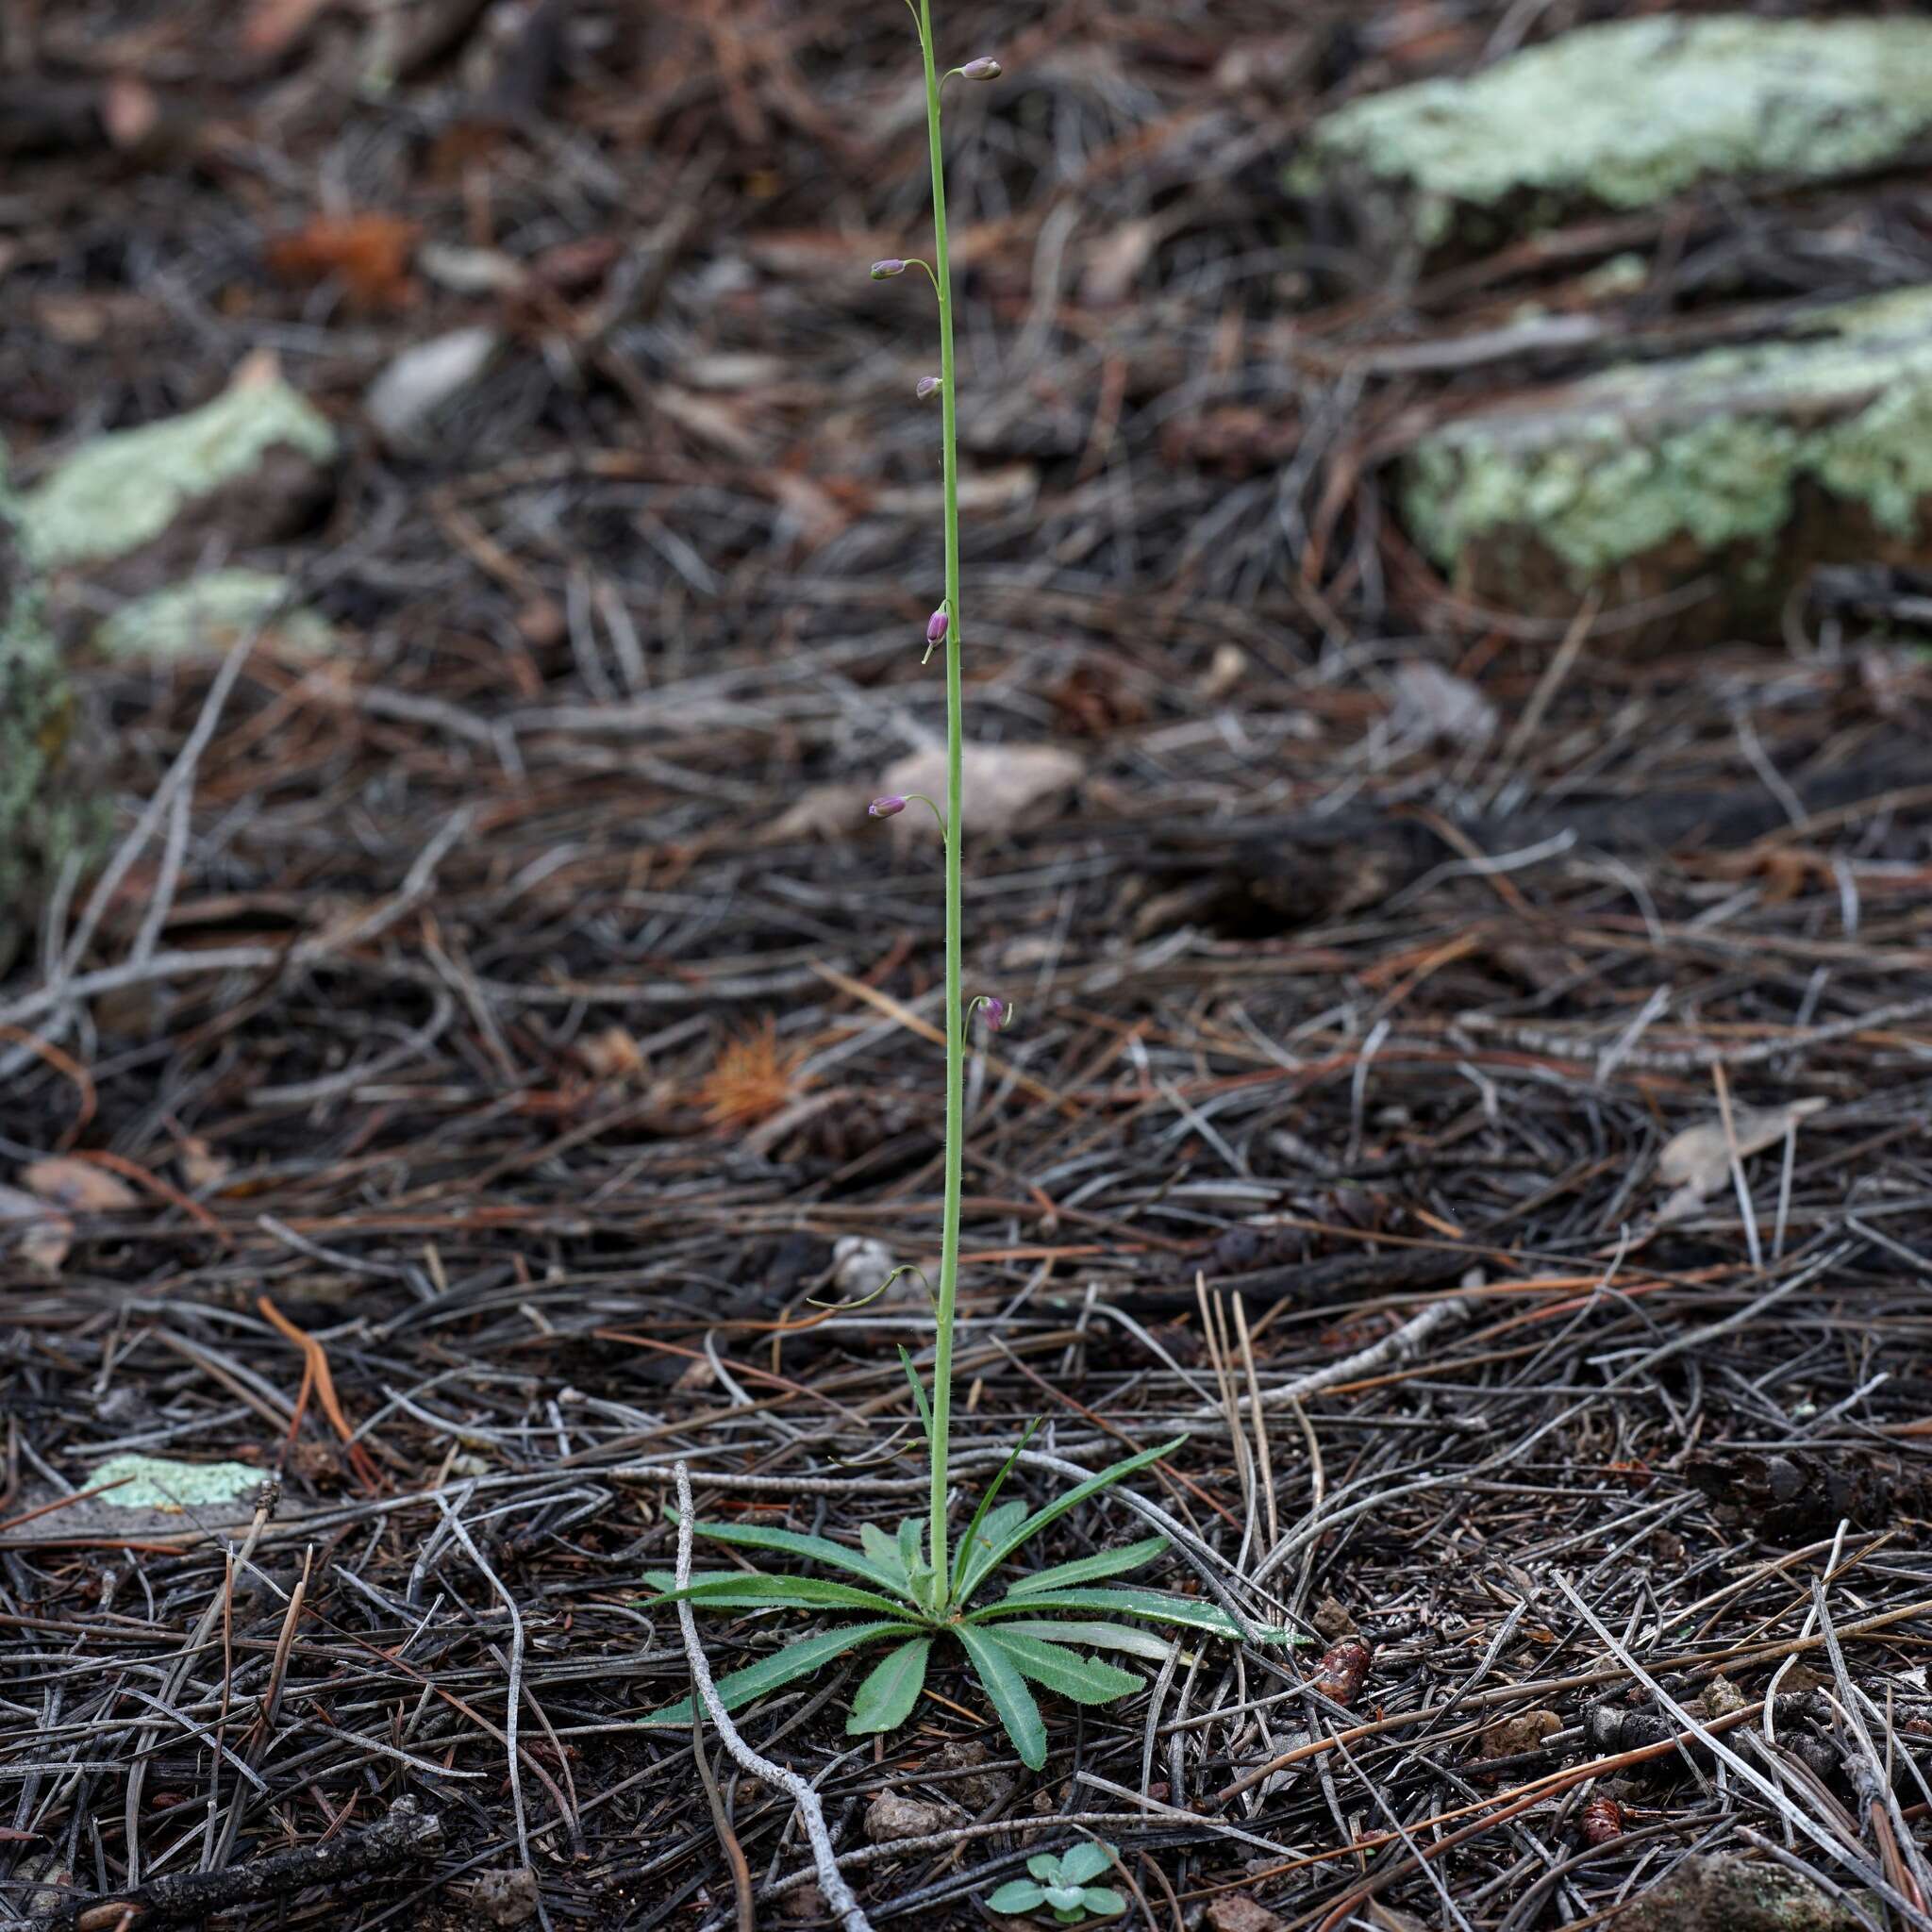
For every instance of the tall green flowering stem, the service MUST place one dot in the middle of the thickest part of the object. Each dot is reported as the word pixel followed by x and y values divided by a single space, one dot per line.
pixel 955 1009
pixel 913 1592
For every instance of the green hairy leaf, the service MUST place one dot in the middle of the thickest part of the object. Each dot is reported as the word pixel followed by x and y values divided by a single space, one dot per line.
pixel 1120 1636
pixel 1006 1687
pixel 1018 1895
pixel 883 1551
pixel 1024 1531
pixel 1084 1680
pixel 738 1687
pixel 1187 1612
pixel 919 1398
pixel 885 1698
pixel 741 1589
pixel 817 1549
pixel 969 1541
pixel 1091 1568
pixel 1085 1863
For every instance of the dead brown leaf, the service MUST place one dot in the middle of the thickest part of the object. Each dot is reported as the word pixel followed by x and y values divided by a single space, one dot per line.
pixel 369 253
pixel 79 1187
pixel 1699 1158
pixel 272 27
pixel 1005 785
pixel 755 1078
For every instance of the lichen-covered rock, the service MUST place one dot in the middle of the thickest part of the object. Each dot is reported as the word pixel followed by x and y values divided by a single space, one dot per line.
pixel 250 466
pixel 1621 116
pixel 1742 466
pixel 206 613
pixel 44 813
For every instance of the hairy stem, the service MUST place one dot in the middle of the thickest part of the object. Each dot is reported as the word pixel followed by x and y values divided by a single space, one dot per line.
pixel 956 1010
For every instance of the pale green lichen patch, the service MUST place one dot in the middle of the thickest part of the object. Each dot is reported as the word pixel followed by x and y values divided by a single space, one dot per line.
pixel 1625 113
pixel 1714 446
pixel 124 489
pixel 154 1482
pixel 44 813
pixel 208 613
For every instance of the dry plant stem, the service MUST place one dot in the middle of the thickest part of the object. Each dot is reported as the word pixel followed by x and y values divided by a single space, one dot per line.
pixel 1399 1344
pixel 406 1833
pixel 838 1895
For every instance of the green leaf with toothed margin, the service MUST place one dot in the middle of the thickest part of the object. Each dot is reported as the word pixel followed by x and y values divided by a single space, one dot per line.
pixel 1064 1672
pixel 1024 1531
pixel 752 1589
pixel 1092 1569
pixel 884 1700
pixel 815 1549
pixel 1006 1687
pixel 1188 1612
pixel 795 1661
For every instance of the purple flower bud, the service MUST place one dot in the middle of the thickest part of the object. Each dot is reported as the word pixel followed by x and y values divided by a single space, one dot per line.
pixel 985 68
pixel 885 270
pixel 936 626
pixel 929 386
pixel 888 807
pixel 995 1011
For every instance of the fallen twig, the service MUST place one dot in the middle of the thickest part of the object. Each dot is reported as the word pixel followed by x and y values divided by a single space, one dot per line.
pixel 838 1895
pixel 406 1833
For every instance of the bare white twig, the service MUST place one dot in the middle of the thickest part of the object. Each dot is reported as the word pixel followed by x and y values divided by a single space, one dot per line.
pixel 838 1895
pixel 1399 1344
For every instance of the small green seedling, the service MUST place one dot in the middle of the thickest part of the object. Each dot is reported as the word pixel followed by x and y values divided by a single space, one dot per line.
pixel 1064 1884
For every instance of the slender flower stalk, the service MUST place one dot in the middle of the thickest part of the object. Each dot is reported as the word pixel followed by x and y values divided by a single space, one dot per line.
pixel 938 1543
pixel 916 1591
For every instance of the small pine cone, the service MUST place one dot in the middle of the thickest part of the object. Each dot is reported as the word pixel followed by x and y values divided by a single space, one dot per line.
pixel 1343 1666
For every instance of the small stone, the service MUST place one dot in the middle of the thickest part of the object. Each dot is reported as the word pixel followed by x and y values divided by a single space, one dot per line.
pixel 506 1898
pixel 982 1790
pixel 1722 1697
pixel 891 1816
pixel 404 400
pixel 1332 1619
pixel 1004 786
pixel 1438 708
pixel 1525 1732
pixel 859 1264
pixel 1237 1912
pixel 804 1902
pixel 1735 1894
